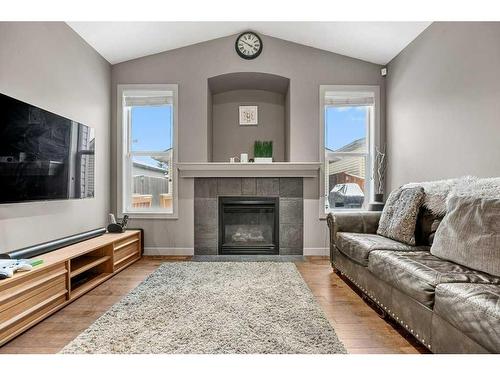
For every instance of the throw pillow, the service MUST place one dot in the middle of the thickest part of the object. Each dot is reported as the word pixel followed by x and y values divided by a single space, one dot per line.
pixel 470 234
pixel 399 216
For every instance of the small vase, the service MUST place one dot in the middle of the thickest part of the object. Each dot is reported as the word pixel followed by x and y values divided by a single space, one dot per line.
pixel 379 197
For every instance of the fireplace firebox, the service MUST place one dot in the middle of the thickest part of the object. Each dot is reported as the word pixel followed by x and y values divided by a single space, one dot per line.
pixel 249 225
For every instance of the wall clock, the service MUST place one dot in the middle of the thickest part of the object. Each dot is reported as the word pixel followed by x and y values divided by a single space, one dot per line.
pixel 248 45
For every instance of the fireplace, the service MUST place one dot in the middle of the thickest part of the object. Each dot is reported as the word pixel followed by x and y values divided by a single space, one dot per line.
pixel 248 225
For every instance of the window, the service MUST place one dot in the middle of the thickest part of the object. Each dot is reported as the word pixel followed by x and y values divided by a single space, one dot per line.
pixel 349 122
pixel 147 155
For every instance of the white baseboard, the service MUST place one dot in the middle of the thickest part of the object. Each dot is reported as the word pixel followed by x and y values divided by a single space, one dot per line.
pixel 316 251
pixel 168 251
pixel 310 251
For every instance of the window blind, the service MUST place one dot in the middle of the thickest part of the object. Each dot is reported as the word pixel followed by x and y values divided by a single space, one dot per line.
pixel 349 99
pixel 153 99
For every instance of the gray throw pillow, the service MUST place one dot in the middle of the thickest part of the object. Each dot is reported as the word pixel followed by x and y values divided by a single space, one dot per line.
pixel 399 216
pixel 470 234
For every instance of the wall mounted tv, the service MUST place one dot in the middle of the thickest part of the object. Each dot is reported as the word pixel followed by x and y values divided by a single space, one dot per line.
pixel 43 156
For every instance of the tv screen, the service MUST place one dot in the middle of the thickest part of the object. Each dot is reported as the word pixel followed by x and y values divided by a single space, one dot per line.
pixel 43 156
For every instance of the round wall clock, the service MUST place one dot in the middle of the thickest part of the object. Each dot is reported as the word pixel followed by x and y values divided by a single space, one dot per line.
pixel 248 45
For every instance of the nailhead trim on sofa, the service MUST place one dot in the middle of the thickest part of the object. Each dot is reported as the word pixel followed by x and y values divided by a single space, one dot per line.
pixel 374 299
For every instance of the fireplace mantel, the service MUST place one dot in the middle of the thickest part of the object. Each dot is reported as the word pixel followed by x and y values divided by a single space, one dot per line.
pixel 285 169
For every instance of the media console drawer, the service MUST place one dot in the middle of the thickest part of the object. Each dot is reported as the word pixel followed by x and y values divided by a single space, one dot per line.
pixel 13 292
pixel 24 300
pixel 127 251
pixel 28 292
pixel 124 242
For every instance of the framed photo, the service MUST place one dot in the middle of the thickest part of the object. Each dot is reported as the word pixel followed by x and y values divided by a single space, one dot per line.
pixel 249 115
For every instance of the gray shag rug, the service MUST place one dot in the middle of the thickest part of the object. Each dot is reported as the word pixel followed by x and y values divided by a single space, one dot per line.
pixel 214 308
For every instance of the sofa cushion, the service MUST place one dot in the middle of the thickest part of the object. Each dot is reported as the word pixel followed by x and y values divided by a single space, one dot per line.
pixel 474 309
pixel 357 246
pixel 469 234
pixel 418 273
pixel 399 216
pixel 427 224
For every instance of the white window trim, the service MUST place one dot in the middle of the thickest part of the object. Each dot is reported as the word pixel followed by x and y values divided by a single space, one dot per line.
pixel 121 148
pixel 374 141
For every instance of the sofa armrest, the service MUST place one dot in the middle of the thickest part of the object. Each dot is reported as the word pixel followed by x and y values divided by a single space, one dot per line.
pixel 354 222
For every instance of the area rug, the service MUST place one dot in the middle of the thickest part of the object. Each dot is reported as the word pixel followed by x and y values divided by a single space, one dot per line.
pixel 214 308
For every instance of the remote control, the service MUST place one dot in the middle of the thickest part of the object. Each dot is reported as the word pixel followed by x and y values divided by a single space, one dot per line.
pixel 7 268
pixel 124 222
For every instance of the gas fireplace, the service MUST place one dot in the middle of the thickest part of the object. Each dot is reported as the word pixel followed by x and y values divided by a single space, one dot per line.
pixel 248 225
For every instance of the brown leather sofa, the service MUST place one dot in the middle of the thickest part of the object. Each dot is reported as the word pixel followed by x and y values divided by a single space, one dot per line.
pixel 449 308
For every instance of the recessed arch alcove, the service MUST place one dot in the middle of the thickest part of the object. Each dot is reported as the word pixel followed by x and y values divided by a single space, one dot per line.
pixel 226 92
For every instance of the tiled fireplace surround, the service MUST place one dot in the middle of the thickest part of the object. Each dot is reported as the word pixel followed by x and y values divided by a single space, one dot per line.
pixel 291 209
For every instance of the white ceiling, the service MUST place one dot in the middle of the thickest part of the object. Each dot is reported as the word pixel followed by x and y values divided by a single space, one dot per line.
pixel 377 42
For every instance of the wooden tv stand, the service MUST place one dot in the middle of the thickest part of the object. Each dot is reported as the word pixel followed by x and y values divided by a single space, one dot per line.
pixel 66 274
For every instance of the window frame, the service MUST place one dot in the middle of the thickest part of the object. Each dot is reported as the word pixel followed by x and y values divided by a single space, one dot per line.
pixel 373 134
pixel 124 152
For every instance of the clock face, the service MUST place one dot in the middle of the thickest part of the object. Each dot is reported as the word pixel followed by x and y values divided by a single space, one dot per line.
pixel 248 45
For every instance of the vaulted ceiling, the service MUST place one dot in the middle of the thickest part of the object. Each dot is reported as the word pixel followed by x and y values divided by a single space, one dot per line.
pixel 377 42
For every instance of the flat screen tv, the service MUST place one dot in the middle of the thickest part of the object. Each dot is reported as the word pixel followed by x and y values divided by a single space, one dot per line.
pixel 43 156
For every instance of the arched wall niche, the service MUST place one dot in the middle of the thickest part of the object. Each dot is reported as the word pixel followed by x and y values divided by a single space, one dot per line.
pixel 226 92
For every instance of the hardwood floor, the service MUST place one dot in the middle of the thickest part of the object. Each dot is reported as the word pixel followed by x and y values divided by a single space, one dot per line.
pixel 356 323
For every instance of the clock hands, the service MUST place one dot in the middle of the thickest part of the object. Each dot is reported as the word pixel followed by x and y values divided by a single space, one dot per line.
pixel 248 44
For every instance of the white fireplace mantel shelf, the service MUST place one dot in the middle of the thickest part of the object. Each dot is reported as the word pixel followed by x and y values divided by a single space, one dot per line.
pixel 282 169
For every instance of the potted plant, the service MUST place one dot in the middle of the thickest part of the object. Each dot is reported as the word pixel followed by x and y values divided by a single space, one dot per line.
pixel 263 151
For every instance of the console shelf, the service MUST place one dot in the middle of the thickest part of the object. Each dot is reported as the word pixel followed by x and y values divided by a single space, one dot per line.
pixel 84 263
pixel 78 289
pixel 65 274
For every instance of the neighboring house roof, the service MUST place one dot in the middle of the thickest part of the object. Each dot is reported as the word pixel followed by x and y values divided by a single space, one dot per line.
pixel 355 146
pixel 160 159
pixel 164 159
pixel 351 166
pixel 149 167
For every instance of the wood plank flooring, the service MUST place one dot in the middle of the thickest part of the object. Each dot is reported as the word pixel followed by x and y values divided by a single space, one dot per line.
pixel 356 323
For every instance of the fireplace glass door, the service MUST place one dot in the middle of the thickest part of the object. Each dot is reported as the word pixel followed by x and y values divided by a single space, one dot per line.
pixel 248 225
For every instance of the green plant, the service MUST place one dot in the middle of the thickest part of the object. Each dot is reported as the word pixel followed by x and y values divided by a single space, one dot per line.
pixel 257 149
pixel 268 149
pixel 263 149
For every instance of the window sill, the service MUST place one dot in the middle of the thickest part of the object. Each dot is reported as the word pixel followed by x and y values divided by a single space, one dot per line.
pixel 151 215
pixel 323 215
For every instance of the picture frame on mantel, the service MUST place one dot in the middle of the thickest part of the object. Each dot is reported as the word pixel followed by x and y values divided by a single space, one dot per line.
pixel 249 115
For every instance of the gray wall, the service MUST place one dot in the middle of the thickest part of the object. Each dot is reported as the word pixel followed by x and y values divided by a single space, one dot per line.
pixel 287 125
pixel 443 112
pixel 209 124
pixel 230 139
pixel 48 65
pixel 190 67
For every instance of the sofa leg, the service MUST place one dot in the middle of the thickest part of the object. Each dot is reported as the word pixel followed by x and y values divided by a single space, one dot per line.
pixel 380 311
pixel 336 271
